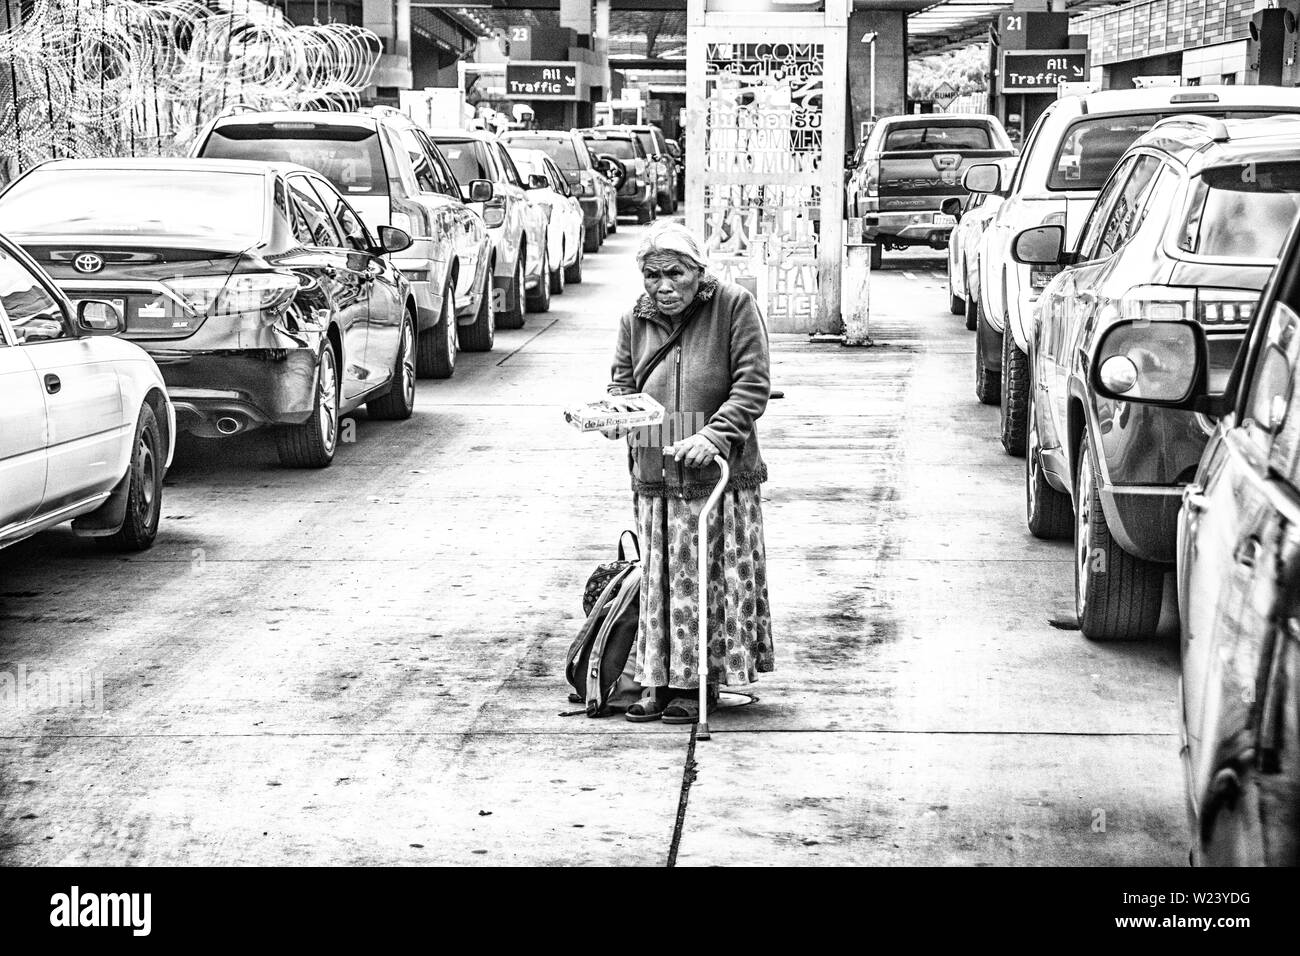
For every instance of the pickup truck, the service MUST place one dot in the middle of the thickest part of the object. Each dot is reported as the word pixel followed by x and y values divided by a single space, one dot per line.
pixel 907 166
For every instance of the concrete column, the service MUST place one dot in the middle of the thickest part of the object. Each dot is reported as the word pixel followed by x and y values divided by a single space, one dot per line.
pixel 601 36
pixel 576 15
pixel 391 22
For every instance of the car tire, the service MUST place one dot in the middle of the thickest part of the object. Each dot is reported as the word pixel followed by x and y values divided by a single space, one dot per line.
pixel 513 316
pixel 613 222
pixel 1015 394
pixel 956 304
pixel 988 382
pixel 1117 596
pixel 398 403
pixel 312 443
pixel 539 300
pixel 1047 511
pixel 435 355
pixel 479 335
pixel 559 275
pixel 144 488
pixel 573 273
pixel 592 241
pixel 970 314
pixel 877 255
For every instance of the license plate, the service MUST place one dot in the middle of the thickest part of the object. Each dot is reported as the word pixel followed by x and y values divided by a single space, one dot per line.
pixel 943 219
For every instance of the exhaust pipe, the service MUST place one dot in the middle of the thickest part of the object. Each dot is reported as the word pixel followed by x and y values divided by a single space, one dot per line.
pixel 227 425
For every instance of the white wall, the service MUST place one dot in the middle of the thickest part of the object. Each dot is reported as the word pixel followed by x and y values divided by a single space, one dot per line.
pixel 1209 64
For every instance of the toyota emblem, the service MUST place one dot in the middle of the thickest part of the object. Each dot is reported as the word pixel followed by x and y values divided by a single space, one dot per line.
pixel 88 262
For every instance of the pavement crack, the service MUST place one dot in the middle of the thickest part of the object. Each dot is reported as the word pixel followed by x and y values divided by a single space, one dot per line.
pixel 688 778
pixel 527 342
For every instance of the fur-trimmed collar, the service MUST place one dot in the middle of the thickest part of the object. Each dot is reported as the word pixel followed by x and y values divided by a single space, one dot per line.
pixel 646 311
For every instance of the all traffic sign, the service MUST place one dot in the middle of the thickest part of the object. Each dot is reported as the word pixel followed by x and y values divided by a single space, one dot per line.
pixel 1040 71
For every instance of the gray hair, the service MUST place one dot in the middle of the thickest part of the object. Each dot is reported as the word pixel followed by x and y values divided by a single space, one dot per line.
pixel 674 239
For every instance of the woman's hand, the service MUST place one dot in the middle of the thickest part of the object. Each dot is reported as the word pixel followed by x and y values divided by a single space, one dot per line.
pixel 697 451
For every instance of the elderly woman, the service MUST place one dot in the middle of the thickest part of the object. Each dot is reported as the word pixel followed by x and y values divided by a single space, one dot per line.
pixel 713 384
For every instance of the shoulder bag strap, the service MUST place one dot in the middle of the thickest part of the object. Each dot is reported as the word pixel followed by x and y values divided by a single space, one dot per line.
pixel 662 352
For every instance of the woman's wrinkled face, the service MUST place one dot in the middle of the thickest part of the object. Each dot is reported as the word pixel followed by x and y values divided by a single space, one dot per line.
pixel 670 282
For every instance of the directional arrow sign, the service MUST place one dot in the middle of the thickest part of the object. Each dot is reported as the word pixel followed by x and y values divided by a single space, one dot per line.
pixel 543 81
pixel 1040 71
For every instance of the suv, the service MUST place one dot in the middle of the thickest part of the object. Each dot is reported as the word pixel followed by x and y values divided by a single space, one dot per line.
pixel 393 175
pixel 639 190
pixel 1187 227
pixel 655 144
pixel 1067 156
pixel 1238 558
pixel 907 167
pixel 518 231
pixel 569 152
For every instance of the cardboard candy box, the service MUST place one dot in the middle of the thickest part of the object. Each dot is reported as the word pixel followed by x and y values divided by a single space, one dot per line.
pixel 630 411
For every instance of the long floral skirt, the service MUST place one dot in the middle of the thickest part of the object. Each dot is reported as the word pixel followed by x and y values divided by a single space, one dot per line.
pixel 740 623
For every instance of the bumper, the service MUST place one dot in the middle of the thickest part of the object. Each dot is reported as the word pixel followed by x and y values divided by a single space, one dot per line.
pixel 592 214
pixel 428 304
pixel 636 200
pixel 232 391
pixel 906 228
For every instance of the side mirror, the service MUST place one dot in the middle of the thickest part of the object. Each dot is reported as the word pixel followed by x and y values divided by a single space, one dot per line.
pixel 392 239
pixel 982 178
pixel 481 190
pixel 848 159
pixel 951 207
pixel 538 181
pixel 1152 362
pixel 99 317
pixel 1039 246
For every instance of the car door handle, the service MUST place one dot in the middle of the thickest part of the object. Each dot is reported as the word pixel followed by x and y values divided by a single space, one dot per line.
pixel 52 384
pixel 1247 552
pixel 1194 500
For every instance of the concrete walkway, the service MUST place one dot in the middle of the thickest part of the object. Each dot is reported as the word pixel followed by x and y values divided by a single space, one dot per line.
pixel 365 665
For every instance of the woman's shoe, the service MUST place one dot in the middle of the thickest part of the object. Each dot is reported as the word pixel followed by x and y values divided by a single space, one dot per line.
pixel 645 710
pixel 682 710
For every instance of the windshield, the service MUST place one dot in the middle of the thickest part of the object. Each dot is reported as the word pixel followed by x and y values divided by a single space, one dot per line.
pixel 526 163
pixel 1242 212
pixel 618 148
pixel 467 159
pixel 126 202
pixel 560 150
pixel 937 138
pixel 647 142
pixel 348 156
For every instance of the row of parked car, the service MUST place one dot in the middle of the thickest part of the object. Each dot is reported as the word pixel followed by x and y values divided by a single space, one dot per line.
pixel 295 267
pixel 1133 277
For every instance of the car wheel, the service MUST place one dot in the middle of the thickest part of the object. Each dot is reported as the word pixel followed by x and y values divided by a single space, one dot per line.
pixel 970 314
pixel 644 214
pixel 956 305
pixel 573 273
pixel 539 300
pixel 988 382
pixel 1117 595
pixel 312 444
pixel 144 488
pixel 435 355
pixel 877 255
pixel 613 222
pixel 513 316
pixel 1047 511
pixel 591 241
pixel 1015 394
pixel 398 402
pixel 479 335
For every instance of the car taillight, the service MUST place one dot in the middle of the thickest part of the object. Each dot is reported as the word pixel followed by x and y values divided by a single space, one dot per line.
pixel 1225 308
pixel 1040 277
pixel 258 292
pixel 586 188
pixel 403 222
pixel 873 177
pixel 494 213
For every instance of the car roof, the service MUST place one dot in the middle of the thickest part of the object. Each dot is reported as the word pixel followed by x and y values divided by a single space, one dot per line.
pixel 539 133
pixel 614 132
pixel 155 164
pixel 922 118
pixel 448 132
pixel 320 118
pixel 1199 142
pixel 1181 97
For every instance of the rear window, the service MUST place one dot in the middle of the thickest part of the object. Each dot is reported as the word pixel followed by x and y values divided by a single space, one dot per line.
pixel 937 138
pixel 350 157
pixel 618 148
pixel 562 151
pixel 467 159
pixel 1241 212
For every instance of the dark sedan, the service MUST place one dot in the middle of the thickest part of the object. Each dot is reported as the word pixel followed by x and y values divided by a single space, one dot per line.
pixel 255 287
pixel 1183 228
pixel 1238 562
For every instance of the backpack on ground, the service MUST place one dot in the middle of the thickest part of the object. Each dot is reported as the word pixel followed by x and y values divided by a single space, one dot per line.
pixel 601 662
